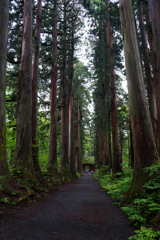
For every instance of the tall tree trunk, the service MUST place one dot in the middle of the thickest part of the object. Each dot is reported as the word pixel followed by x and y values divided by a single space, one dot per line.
pixel 71 134
pixel 115 141
pixel 145 152
pixel 64 107
pixel 148 74
pixel 121 144
pixel 4 12
pixel 52 162
pixel 97 160
pixel 23 151
pixel 154 67
pixel 155 18
pixel 35 149
pixel 71 106
pixel 104 131
pixel 78 141
pixel 131 148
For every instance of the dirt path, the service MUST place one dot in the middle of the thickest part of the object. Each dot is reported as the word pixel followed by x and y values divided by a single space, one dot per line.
pixel 77 211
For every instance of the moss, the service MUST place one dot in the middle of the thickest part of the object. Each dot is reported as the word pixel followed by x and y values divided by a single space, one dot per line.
pixel 27 196
pixel 22 198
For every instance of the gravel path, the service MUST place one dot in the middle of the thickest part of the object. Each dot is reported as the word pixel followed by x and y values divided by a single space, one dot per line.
pixel 77 211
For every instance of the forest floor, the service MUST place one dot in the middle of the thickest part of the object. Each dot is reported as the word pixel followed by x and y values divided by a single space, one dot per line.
pixel 76 211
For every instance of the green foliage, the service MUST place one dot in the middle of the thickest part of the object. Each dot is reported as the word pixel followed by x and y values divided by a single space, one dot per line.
pixel 17 175
pixel 78 174
pixel 115 188
pixel 99 173
pixel 88 160
pixel 134 215
pixel 142 210
pixel 4 200
pixel 153 169
pixel 145 234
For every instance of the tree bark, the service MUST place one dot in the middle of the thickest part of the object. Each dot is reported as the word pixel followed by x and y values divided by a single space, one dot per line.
pixel 145 152
pixel 65 101
pixel 71 105
pixel 155 69
pixel 52 162
pixel 35 149
pixel 71 135
pixel 23 151
pixel 131 148
pixel 148 74
pixel 114 118
pixel 97 160
pixel 4 13
pixel 78 141
pixel 155 18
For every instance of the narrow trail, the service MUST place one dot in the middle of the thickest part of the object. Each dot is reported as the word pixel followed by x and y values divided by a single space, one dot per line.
pixel 77 211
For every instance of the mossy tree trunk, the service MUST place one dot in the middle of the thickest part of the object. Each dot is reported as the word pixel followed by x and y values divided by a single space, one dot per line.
pixel 52 161
pixel 23 150
pixel 4 13
pixel 145 151
pixel 35 149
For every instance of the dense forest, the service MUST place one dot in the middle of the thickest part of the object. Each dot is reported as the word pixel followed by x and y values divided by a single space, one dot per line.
pixel 59 102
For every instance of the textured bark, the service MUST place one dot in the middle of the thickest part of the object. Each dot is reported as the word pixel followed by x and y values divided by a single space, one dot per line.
pixel 99 146
pixel 71 134
pixel 23 151
pixel 155 18
pixel 78 141
pixel 114 118
pixel 65 101
pixel 35 149
pixel 4 12
pixel 147 67
pixel 71 106
pixel 145 152
pixel 105 155
pixel 52 162
pixel 97 160
pixel 121 144
pixel 131 148
pixel 155 70
pixel 104 130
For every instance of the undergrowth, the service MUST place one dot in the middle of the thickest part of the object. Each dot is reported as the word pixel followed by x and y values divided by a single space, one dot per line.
pixel 143 212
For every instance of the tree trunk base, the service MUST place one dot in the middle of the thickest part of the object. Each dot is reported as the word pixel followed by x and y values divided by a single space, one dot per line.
pixel 66 174
pixel 136 188
pixel 5 181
